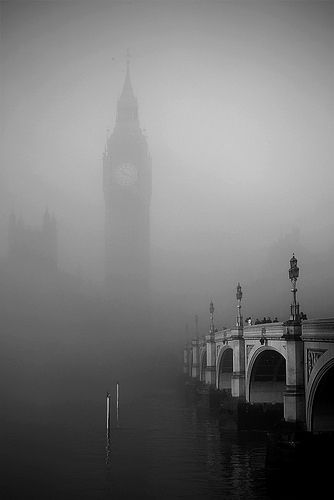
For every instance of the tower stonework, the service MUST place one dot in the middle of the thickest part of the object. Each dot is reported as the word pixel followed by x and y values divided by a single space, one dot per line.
pixel 127 188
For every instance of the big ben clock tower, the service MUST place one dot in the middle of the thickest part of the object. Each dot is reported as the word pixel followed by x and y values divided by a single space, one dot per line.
pixel 127 194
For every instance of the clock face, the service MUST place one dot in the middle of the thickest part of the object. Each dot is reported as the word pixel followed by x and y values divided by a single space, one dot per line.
pixel 125 174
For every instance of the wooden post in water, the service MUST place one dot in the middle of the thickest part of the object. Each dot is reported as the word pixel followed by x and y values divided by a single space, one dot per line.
pixel 108 412
pixel 117 402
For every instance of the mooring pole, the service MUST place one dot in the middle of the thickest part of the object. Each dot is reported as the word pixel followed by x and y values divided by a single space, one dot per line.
pixel 108 412
pixel 117 402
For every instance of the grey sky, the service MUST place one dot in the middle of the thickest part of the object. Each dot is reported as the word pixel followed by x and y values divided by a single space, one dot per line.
pixel 237 103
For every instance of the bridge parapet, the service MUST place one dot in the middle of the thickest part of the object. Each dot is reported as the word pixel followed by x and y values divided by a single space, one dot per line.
pixel 318 329
pixel 223 335
pixel 265 330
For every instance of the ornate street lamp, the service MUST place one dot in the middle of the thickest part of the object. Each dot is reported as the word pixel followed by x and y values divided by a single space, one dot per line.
pixel 239 297
pixel 293 275
pixel 212 325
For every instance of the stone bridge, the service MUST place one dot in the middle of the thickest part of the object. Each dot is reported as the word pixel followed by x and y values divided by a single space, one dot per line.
pixel 289 364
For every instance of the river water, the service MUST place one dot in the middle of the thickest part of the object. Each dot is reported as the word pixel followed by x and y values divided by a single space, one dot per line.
pixel 164 446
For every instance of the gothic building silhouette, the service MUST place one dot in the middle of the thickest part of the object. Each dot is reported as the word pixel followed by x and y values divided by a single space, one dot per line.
pixel 31 276
pixel 32 250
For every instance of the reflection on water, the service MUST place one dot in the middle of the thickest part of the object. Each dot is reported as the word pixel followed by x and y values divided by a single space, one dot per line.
pixel 108 449
pixel 164 447
pixel 117 404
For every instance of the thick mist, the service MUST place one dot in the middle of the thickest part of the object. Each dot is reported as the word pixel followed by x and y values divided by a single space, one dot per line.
pixel 236 102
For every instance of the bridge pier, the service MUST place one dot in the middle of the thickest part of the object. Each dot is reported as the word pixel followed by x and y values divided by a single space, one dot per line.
pixel 238 388
pixel 187 354
pixel 195 368
pixel 294 395
pixel 210 372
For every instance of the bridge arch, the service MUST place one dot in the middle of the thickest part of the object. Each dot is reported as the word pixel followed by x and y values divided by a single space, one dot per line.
pixel 202 365
pixel 266 376
pixel 320 399
pixel 225 369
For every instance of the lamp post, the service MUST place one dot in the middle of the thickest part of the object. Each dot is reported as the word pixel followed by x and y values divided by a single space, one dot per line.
pixel 195 367
pixel 239 297
pixel 212 325
pixel 293 275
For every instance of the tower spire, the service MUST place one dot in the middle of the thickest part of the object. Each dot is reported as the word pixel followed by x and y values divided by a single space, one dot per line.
pixel 127 91
pixel 127 108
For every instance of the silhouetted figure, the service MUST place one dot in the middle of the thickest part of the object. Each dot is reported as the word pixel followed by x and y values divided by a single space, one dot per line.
pixel 275 320
pixel 264 320
pixel 269 320
pixel 257 321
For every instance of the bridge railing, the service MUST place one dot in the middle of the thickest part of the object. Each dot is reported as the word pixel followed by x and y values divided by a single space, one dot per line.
pixel 223 335
pixel 318 329
pixel 265 330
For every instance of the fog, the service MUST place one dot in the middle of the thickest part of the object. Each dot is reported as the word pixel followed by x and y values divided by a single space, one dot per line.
pixel 236 103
